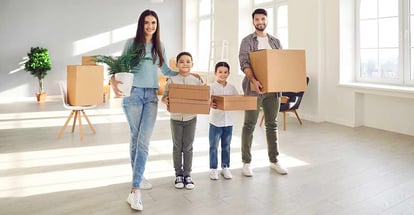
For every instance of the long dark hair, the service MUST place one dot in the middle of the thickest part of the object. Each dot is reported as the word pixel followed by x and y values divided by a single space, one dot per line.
pixel 139 40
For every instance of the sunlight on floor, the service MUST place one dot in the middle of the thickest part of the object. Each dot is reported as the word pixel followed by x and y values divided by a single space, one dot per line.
pixel 58 118
pixel 47 171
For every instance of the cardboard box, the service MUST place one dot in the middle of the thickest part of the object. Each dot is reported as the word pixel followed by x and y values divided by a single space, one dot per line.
pixel 85 85
pixel 88 60
pixel 280 70
pixel 184 91
pixel 189 106
pixel 235 102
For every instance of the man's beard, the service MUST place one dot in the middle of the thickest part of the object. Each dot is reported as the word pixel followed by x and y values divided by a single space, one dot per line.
pixel 260 29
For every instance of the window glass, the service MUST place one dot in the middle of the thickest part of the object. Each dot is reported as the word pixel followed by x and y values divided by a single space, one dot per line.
pixel 204 41
pixel 204 7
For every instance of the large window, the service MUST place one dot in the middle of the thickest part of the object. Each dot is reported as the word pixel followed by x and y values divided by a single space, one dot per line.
pixel 204 33
pixel 385 41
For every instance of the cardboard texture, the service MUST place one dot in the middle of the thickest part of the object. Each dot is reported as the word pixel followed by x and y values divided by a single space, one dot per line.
pixel 88 60
pixel 280 70
pixel 85 85
pixel 189 106
pixel 235 102
pixel 184 91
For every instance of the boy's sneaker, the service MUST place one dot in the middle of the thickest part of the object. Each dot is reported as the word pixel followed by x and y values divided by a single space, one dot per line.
pixel 134 199
pixel 145 184
pixel 213 174
pixel 189 184
pixel 247 171
pixel 226 173
pixel 278 168
pixel 179 182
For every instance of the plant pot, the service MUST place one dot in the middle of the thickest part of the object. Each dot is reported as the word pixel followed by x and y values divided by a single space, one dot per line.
pixel 41 97
pixel 127 79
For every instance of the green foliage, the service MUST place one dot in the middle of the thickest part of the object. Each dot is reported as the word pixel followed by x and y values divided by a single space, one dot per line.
pixel 38 64
pixel 123 63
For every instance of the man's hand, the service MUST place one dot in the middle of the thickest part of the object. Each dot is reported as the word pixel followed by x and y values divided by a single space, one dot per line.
pixel 257 86
pixel 114 84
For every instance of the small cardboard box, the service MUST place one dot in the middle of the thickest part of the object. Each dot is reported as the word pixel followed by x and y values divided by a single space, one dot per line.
pixel 189 106
pixel 185 91
pixel 235 102
pixel 88 60
pixel 85 85
pixel 280 70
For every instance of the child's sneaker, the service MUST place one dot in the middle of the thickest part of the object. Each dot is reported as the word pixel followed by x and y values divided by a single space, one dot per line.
pixel 226 173
pixel 134 199
pixel 179 182
pixel 189 184
pixel 213 174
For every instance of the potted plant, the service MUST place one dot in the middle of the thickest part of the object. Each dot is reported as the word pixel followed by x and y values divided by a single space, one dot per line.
pixel 121 66
pixel 38 65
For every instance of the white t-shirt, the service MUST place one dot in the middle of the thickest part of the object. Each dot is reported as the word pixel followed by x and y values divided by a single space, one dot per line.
pixel 220 118
pixel 263 43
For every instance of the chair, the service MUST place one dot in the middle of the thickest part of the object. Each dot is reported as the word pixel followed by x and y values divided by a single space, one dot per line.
pixel 75 110
pixel 290 103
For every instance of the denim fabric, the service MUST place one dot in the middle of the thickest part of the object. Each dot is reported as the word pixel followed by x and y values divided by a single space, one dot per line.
pixel 215 135
pixel 183 133
pixel 141 111
pixel 270 102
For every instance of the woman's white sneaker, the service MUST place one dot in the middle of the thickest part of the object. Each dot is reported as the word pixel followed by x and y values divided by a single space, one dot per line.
pixel 134 199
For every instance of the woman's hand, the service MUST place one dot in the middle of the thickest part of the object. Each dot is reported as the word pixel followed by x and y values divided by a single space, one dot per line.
pixel 114 84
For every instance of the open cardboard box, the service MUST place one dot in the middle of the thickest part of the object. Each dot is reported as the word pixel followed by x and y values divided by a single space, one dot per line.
pixel 85 85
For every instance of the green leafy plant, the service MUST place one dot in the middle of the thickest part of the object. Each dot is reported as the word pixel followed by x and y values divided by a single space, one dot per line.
pixel 38 64
pixel 123 63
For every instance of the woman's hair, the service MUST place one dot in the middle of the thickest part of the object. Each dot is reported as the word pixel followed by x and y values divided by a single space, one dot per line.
pixel 139 40
pixel 222 63
pixel 183 53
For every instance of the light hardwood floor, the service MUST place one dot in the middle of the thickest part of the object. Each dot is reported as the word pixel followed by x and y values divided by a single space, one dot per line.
pixel 332 169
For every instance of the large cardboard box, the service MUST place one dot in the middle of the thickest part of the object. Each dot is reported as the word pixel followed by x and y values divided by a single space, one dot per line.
pixel 85 85
pixel 184 91
pixel 88 60
pixel 235 102
pixel 189 106
pixel 280 70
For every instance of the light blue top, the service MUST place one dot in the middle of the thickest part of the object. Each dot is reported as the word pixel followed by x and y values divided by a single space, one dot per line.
pixel 146 73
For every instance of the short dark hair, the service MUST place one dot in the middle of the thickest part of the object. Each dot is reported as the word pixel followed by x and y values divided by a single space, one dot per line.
pixel 183 53
pixel 259 11
pixel 222 63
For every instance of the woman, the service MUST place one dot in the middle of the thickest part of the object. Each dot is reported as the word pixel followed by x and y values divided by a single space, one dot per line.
pixel 141 106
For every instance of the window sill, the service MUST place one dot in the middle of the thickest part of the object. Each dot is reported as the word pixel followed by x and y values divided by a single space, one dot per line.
pixel 378 89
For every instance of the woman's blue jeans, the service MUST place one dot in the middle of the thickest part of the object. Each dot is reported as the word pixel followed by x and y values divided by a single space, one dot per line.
pixel 215 135
pixel 141 111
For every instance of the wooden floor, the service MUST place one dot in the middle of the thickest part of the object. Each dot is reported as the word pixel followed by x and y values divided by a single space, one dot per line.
pixel 332 169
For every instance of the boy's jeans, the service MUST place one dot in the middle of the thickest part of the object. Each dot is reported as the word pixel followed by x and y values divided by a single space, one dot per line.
pixel 215 134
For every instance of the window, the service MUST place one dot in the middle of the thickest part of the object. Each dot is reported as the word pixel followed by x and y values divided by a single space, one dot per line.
pixel 385 42
pixel 204 34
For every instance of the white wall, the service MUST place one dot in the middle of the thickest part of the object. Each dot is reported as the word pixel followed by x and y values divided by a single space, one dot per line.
pixel 61 25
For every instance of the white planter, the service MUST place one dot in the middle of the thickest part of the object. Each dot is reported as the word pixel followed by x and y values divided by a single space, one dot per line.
pixel 127 79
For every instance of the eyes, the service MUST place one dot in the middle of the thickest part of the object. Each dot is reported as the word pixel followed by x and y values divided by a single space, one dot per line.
pixel 152 22
pixel 185 62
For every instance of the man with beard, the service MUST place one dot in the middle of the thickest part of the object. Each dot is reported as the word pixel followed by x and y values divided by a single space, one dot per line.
pixel 270 102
